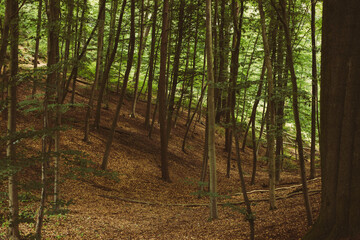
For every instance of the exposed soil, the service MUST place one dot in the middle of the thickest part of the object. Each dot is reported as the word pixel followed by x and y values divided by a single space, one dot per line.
pixel 142 206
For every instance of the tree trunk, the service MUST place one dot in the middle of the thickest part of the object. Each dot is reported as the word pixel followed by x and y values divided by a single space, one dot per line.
pixel 151 65
pixel 89 107
pixel 162 92
pixel 139 58
pixel 78 44
pixel 339 216
pixel 12 10
pixel 79 56
pixel 100 44
pixel 176 67
pixel 53 13
pixel 271 110
pixel 5 34
pixel 106 74
pixel 314 92
pixel 296 112
pixel 223 59
pixel 126 76
pixel 211 113
pixel 37 43
pixel 280 103
pixel 193 67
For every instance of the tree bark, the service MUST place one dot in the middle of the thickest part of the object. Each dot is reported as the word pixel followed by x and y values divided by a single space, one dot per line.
pixel 37 43
pixel 211 113
pixel 5 34
pixel 12 10
pixel 162 93
pixel 100 43
pixel 139 59
pixel 151 65
pixel 126 77
pixel 176 67
pixel 296 111
pixel 271 110
pixel 314 96
pixel 339 216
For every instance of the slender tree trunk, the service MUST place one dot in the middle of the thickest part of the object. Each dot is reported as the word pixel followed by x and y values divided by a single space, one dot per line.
pixel 12 10
pixel 151 65
pixel 80 36
pixel 37 43
pixel 223 59
pixel 68 37
pixel 205 162
pixel 139 56
pixel 233 74
pixel 154 116
pixel 211 113
pixel 126 76
pixel 296 112
pixel 255 105
pixel 52 79
pixel 192 117
pixel 79 56
pixel 89 107
pixel 193 66
pixel 271 110
pixel 5 34
pixel 106 74
pixel 280 104
pixel 176 67
pixel 100 43
pixel 162 93
pixel 314 92
pixel 246 80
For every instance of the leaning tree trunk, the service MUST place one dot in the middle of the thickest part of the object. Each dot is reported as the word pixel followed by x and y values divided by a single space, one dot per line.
pixel 89 107
pixel 78 44
pixel 139 56
pixel 176 67
pixel 126 77
pixel 339 216
pixel 296 112
pixel 271 110
pixel 151 65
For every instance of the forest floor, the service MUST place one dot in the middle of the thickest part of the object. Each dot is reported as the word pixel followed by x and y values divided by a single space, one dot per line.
pixel 142 206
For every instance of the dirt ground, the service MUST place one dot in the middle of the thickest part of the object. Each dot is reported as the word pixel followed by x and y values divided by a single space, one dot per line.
pixel 142 206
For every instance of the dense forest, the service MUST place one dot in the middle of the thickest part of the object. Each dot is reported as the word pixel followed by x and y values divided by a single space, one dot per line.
pixel 215 119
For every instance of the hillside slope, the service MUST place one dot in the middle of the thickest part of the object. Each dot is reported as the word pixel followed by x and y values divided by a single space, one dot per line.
pixel 142 206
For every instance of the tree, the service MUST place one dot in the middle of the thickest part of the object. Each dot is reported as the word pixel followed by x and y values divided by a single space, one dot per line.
pixel 162 92
pixel 151 65
pixel 271 109
pixel 339 216
pixel 295 105
pixel 126 76
pixel 211 112
pixel 5 33
pixel 37 43
pixel 53 14
pixel 12 8
pixel 314 91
